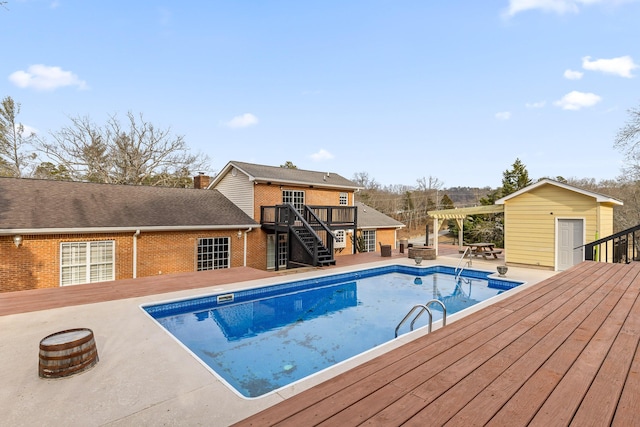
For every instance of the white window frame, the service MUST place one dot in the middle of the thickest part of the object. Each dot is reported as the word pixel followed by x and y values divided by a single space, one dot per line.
pixel 369 239
pixel 83 266
pixel 294 197
pixel 217 254
pixel 344 199
pixel 340 239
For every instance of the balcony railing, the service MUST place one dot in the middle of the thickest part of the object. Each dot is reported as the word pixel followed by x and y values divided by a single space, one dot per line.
pixel 334 217
pixel 621 247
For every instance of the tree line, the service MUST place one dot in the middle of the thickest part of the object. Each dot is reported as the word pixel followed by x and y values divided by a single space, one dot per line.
pixel 134 151
pixel 410 204
pixel 129 151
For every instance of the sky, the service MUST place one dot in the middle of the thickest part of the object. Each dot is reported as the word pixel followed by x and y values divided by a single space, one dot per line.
pixel 400 90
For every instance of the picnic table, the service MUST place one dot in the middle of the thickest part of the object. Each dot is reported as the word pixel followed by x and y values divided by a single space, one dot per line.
pixel 484 250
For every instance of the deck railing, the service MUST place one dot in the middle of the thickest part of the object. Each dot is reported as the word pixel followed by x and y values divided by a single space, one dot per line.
pixel 621 247
pixel 333 217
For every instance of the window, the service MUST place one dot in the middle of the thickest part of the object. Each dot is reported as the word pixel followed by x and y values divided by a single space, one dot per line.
pixel 344 199
pixel 296 198
pixel 369 237
pixel 213 253
pixel 340 241
pixel 86 262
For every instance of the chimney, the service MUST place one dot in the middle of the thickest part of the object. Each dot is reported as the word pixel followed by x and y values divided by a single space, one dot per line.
pixel 201 181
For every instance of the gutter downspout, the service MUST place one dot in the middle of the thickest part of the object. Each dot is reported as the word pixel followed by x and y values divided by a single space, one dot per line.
pixel 244 261
pixel 135 253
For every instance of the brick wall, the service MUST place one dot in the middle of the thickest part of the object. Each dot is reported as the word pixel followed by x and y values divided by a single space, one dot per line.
pixel 36 263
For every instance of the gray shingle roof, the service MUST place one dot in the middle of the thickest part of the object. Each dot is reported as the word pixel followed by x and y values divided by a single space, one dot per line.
pixel 42 204
pixel 371 218
pixel 277 174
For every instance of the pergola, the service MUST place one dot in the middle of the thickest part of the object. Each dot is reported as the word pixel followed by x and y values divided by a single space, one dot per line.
pixel 459 215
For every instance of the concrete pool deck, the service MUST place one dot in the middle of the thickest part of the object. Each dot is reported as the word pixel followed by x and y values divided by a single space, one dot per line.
pixel 144 377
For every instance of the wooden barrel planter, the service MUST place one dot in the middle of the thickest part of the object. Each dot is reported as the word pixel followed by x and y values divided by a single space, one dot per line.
pixel 67 352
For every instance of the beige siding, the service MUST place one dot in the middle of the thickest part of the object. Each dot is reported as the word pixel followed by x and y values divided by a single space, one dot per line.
pixel 606 220
pixel 239 190
pixel 530 223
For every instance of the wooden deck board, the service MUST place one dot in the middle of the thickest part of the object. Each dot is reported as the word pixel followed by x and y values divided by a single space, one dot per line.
pixel 591 343
pixel 606 389
pixel 531 373
pixel 501 365
pixel 561 352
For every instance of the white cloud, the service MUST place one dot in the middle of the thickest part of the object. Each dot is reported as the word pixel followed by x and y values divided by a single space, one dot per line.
pixel 27 131
pixel 503 115
pixel 43 77
pixel 573 75
pixel 620 66
pixel 576 100
pixel 243 121
pixel 555 6
pixel 538 104
pixel 321 155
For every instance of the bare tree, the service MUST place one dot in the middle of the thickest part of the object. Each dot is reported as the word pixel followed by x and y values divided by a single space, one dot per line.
pixel 627 141
pixel 135 153
pixel 15 152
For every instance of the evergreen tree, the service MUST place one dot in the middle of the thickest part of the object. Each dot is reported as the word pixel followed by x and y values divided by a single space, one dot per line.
pixel 515 179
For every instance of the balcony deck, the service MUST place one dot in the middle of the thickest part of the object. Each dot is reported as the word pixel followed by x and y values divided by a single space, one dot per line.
pixel 562 352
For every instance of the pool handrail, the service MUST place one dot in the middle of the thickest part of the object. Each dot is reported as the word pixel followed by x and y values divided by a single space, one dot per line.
pixel 461 269
pixel 424 308
pixel 444 310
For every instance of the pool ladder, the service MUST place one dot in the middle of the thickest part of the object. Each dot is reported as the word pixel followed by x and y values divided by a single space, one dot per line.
pixel 423 308
pixel 459 269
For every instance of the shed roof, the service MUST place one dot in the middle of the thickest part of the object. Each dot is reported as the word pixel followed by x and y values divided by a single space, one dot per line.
pixel 56 206
pixel 279 175
pixel 371 218
pixel 600 198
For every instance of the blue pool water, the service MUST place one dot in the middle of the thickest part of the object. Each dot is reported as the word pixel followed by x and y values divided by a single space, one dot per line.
pixel 259 340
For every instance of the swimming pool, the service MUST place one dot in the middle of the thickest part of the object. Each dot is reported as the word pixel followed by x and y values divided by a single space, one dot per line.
pixel 259 340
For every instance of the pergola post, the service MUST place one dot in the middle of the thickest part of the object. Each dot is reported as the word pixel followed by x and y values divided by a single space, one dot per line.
pixel 460 223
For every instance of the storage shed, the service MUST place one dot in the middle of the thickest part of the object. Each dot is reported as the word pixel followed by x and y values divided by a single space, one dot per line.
pixel 547 223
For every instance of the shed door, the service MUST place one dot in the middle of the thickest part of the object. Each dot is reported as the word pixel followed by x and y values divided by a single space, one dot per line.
pixel 570 235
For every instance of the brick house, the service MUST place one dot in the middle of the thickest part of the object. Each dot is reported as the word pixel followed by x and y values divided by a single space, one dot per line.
pixel 306 217
pixel 58 233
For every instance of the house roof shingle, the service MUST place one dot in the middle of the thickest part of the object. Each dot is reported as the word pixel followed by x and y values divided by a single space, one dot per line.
pixel 275 174
pixel 371 218
pixel 40 205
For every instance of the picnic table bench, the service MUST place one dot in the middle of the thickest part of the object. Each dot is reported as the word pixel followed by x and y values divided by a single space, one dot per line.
pixel 484 250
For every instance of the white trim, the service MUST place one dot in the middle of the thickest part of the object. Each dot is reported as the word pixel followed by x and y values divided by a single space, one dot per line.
pixel 599 197
pixel 107 230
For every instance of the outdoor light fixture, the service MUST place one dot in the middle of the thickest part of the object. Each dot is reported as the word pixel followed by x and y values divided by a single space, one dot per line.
pixel 239 234
pixel 17 240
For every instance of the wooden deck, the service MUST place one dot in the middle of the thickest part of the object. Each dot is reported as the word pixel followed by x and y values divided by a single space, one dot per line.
pixel 563 352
